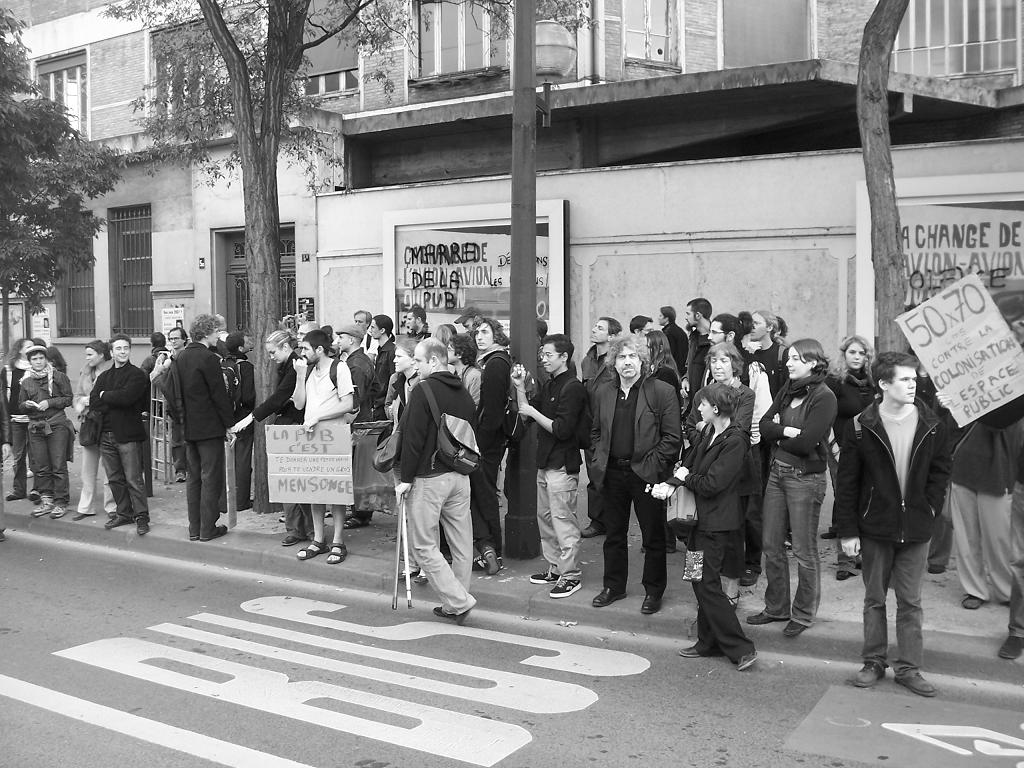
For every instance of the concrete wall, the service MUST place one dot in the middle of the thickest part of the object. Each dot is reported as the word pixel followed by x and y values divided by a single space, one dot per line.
pixel 770 232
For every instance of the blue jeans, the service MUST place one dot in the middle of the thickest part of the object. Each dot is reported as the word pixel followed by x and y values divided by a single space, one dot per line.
pixel 20 458
pixel 901 566
pixel 792 501
pixel 123 465
pixel 50 461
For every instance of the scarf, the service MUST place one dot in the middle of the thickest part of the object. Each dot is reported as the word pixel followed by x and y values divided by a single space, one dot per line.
pixel 46 373
pixel 860 380
pixel 799 388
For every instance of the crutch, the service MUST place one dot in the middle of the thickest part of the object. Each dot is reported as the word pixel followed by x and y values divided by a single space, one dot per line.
pixel 401 541
pixel 403 521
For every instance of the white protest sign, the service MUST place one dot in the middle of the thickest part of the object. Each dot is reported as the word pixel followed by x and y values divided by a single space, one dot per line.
pixel 310 468
pixel 968 349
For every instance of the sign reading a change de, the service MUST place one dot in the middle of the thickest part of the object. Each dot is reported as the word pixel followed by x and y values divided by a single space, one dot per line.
pixel 310 467
pixel 966 346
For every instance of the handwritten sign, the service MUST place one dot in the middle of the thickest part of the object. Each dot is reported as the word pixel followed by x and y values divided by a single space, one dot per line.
pixel 310 468
pixel 968 349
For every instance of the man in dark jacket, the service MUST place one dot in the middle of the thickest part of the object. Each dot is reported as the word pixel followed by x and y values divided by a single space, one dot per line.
pixel 5 442
pixel 382 330
pixel 597 370
pixel 434 494
pixel 207 415
pixel 698 323
pixel 635 437
pixel 894 466
pixel 676 336
pixel 120 396
pixel 350 349
pixel 235 344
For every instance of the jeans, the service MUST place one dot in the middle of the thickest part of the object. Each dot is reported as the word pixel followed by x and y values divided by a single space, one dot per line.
pixel 557 521
pixel 92 470
pixel 621 488
pixel 717 625
pixel 123 463
pixel 484 492
pixel 298 520
pixel 1017 561
pixel 443 501
pixel 902 566
pixel 50 462
pixel 981 531
pixel 204 486
pixel 792 501
pixel 178 447
pixel 941 546
pixel 20 458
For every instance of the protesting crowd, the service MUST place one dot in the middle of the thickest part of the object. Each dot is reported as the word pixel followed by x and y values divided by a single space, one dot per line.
pixel 719 433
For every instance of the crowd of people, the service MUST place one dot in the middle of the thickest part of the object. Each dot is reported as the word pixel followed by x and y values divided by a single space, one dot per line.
pixel 722 407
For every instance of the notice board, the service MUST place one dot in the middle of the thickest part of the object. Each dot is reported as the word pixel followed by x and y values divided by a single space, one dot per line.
pixel 310 467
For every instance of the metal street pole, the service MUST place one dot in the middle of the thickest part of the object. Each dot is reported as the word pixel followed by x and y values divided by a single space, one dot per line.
pixel 522 539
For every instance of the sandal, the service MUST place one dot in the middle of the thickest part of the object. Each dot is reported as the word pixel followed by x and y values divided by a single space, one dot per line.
pixel 354 522
pixel 311 550
pixel 972 603
pixel 338 554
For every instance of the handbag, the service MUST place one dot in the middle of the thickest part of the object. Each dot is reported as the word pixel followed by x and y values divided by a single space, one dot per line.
pixel 89 430
pixel 682 507
pixel 388 444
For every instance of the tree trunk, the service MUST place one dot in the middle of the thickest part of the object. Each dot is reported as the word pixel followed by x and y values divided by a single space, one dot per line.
pixel 873 122
pixel 5 304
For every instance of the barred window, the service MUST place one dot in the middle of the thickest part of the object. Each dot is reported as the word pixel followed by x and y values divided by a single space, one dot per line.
pixel 130 248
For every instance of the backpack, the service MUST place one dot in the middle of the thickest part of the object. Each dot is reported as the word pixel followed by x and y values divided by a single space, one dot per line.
pixel 334 372
pixel 456 439
pixel 232 381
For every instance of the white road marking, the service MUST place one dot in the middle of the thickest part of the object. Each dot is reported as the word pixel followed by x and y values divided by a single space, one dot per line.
pixel 986 742
pixel 578 659
pixel 454 735
pixel 142 728
pixel 504 689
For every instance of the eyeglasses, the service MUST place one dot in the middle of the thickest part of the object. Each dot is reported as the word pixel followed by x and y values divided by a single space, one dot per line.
pixel 548 355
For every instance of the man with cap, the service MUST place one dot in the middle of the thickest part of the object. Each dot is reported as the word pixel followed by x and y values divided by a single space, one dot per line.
pixel 469 319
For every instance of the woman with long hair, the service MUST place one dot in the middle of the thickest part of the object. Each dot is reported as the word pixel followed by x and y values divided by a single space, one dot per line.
pixel 796 430
pixel 851 382
pixel 14 371
pixel 462 358
pixel 663 365
pixel 280 348
pixel 444 333
pixel 97 360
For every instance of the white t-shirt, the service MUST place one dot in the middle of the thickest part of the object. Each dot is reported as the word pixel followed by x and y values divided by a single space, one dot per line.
pixel 321 394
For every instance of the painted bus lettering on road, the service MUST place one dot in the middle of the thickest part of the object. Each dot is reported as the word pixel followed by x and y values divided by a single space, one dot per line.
pixel 984 741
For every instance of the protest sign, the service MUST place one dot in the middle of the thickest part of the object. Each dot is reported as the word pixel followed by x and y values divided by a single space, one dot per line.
pixel 310 467
pixel 968 349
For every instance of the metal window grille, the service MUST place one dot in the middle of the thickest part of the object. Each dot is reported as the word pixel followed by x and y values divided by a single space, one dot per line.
pixel 76 297
pixel 242 319
pixel 130 237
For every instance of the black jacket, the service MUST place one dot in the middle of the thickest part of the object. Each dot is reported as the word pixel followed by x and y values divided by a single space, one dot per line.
pixel 208 411
pixel 678 344
pixel 562 399
pixel 5 416
pixel 715 472
pixel 817 413
pixel 419 430
pixel 383 370
pixel 657 436
pixel 868 498
pixel 280 400
pixel 121 395
pixel 363 379
pixel 495 380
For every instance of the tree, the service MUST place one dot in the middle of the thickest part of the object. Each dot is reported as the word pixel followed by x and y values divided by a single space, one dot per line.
pixel 49 174
pixel 232 68
pixel 876 145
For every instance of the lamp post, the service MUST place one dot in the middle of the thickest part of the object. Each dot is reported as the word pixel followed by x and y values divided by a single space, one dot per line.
pixel 522 539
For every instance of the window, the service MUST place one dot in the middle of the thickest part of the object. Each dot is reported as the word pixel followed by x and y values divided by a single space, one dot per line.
pixel 765 32
pixel 958 37
pixel 130 248
pixel 63 80
pixel 334 64
pixel 650 30
pixel 76 303
pixel 332 82
pixel 457 37
pixel 182 84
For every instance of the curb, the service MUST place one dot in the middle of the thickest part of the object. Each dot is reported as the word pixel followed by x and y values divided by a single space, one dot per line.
pixel 509 592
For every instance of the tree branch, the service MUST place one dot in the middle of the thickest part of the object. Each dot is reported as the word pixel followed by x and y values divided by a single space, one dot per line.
pixel 338 28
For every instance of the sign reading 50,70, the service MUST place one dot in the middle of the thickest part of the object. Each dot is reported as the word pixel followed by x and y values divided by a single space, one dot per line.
pixel 947 312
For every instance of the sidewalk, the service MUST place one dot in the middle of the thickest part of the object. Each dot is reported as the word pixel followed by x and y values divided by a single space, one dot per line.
pixel 957 641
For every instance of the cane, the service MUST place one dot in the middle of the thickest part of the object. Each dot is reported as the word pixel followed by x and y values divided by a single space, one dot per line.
pixel 398 558
pixel 405 552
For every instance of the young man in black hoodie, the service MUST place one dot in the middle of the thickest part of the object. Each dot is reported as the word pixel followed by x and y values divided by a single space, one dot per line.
pixel 121 395
pixel 894 467
pixel 435 494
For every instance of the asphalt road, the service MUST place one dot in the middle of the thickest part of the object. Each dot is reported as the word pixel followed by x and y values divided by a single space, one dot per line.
pixel 110 658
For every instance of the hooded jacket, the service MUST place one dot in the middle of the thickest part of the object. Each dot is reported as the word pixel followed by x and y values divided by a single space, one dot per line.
pixel 869 502
pixel 419 430
pixel 716 468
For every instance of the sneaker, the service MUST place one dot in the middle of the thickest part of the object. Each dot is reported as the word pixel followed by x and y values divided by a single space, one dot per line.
pixel 45 507
pixel 491 560
pixel 142 527
pixel 746 661
pixel 914 683
pixel 869 674
pixel 58 511
pixel 749 578
pixel 1012 648
pixel 564 588
pixel 34 496
pixel 180 477
pixel 548 577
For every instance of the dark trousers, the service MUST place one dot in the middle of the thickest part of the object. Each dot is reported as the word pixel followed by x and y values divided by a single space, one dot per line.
pixel 205 484
pixel 483 486
pixel 718 629
pixel 595 506
pixel 623 487
pixel 178 447
pixel 753 533
pixel 941 546
pixel 123 465
pixel 902 567
pixel 298 520
pixel 50 462
pixel 20 458
pixel 243 468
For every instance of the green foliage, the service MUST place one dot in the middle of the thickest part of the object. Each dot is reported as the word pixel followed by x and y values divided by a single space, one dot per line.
pixel 49 174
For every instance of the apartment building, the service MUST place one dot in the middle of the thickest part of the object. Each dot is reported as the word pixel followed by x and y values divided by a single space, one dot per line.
pixel 693 140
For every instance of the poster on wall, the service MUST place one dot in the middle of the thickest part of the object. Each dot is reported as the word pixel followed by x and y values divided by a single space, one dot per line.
pixel 41 325
pixel 16 321
pixel 945 243
pixel 171 317
pixel 453 260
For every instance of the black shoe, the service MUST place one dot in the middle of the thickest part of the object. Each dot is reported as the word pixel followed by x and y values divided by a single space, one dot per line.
pixel 458 618
pixel 35 497
pixel 829 534
pixel 548 577
pixel 13 497
pixel 764 618
pixel 793 629
pixel 592 530
pixel 290 541
pixel 219 531
pixel 117 521
pixel 650 605
pixel 606 597
pixel 2 537
pixel 142 527
pixel 193 537
pixel 81 516
pixel 1011 648
pixel 914 683
pixel 936 569
pixel 749 578
pixel 696 652
pixel 842 574
pixel 868 675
